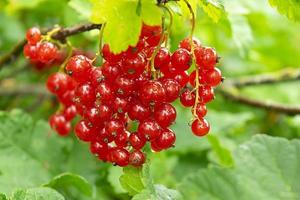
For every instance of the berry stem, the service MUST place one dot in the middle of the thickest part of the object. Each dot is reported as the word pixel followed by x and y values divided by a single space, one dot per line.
pixel 170 24
pixel 193 57
pixel 70 52
pixel 99 53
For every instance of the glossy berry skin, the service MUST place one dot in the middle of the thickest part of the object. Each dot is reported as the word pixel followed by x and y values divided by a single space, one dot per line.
pixel 186 43
pixel 172 89
pixel 120 105
pixel 85 94
pixel 124 86
pixel 201 76
pixel 114 127
pixel 200 127
pixel 150 129
pixel 138 111
pixel 120 157
pixel 59 123
pixel 164 114
pixel 58 83
pixel 181 59
pixel 213 77
pixel 67 98
pixel 78 67
pixel 166 139
pixel 137 141
pixel 84 131
pixel 109 56
pixel 70 112
pixel 103 136
pixel 104 92
pixel 135 66
pixel 121 139
pixel 181 77
pixel 47 52
pixel 206 93
pixel 111 71
pixel 97 148
pixel 96 76
pixel 33 35
pixel 30 51
pixel 201 110
pixel 137 158
pixel 162 58
pixel 206 57
pixel 187 98
pixel 152 92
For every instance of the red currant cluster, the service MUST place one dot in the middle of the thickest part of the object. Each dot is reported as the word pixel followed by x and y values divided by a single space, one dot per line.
pixel 42 54
pixel 126 102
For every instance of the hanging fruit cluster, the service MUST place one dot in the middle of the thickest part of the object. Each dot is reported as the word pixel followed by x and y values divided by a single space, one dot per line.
pixel 135 88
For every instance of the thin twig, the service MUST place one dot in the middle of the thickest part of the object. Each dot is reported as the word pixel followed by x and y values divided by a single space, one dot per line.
pixel 60 35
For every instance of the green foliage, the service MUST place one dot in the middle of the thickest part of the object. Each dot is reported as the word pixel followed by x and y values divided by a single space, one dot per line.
pixel 122 21
pixel 131 180
pixel 289 8
pixel 213 8
pixel 269 166
pixel 37 194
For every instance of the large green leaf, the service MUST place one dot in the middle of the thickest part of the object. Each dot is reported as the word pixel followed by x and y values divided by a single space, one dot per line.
pixel 124 20
pixel 290 8
pixel 37 194
pixel 265 168
pixel 213 8
pixel 67 180
pixel 160 193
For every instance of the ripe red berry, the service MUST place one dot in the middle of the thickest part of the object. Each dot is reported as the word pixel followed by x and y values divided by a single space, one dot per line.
pixel 165 114
pixel 138 111
pixel 33 35
pixel 206 57
pixel 111 71
pixel 70 112
pixel 67 98
pixel 213 77
pixel 85 94
pixel 186 43
pixel 46 52
pixel 103 136
pixel 114 126
pixel 120 157
pixel 172 89
pixel 187 98
pixel 201 110
pixel 166 139
pixel 121 139
pixel 120 105
pixel 200 127
pixel 98 147
pixel 150 129
pixel 206 93
pixel 181 59
pixel 162 58
pixel 59 123
pixel 78 67
pixel 84 131
pixel 137 158
pixel 30 51
pixel 134 66
pixel 58 83
pixel 137 141
pixel 152 92
pixel 110 56
pixel 124 86
pixel 96 76
pixel 104 92
pixel 181 77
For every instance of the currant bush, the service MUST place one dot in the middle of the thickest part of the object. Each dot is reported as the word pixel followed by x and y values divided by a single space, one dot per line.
pixel 137 86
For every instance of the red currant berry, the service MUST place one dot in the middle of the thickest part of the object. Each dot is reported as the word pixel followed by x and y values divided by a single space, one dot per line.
pixel 181 59
pixel 152 92
pixel 138 111
pixel 79 67
pixel 187 98
pixel 33 35
pixel 124 86
pixel 150 129
pixel 103 136
pixel 213 77
pixel 59 123
pixel 206 57
pixel 30 51
pixel 134 66
pixel 137 141
pixel 201 110
pixel 114 126
pixel 206 93
pixel 85 94
pixel 111 71
pixel 96 76
pixel 162 58
pixel 104 92
pixel 172 89
pixel 120 157
pixel 58 83
pixel 110 56
pixel 165 114
pixel 97 148
pixel 200 127
pixel 137 158
pixel 47 52
pixel 121 139
pixel 186 43
pixel 166 139
pixel 70 112
pixel 181 77
pixel 120 105
pixel 84 131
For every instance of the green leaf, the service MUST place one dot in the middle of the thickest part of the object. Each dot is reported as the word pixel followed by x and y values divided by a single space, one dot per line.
pixel 67 180
pixel 131 180
pixel 37 194
pixel 269 166
pixel 213 8
pixel 3 196
pixel 160 193
pixel 123 23
pixel 290 8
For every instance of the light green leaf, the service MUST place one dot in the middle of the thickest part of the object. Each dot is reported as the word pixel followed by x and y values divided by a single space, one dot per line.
pixel 37 194
pixel 161 193
pixel 290 8
pixel 131 180
pixel 3 196
pixel 269 166
pixel 66 180
pixel 213 8
pixel 14 5
pixel 123 23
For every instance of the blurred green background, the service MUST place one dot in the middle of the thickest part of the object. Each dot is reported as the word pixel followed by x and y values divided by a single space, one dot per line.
pixel 252 38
